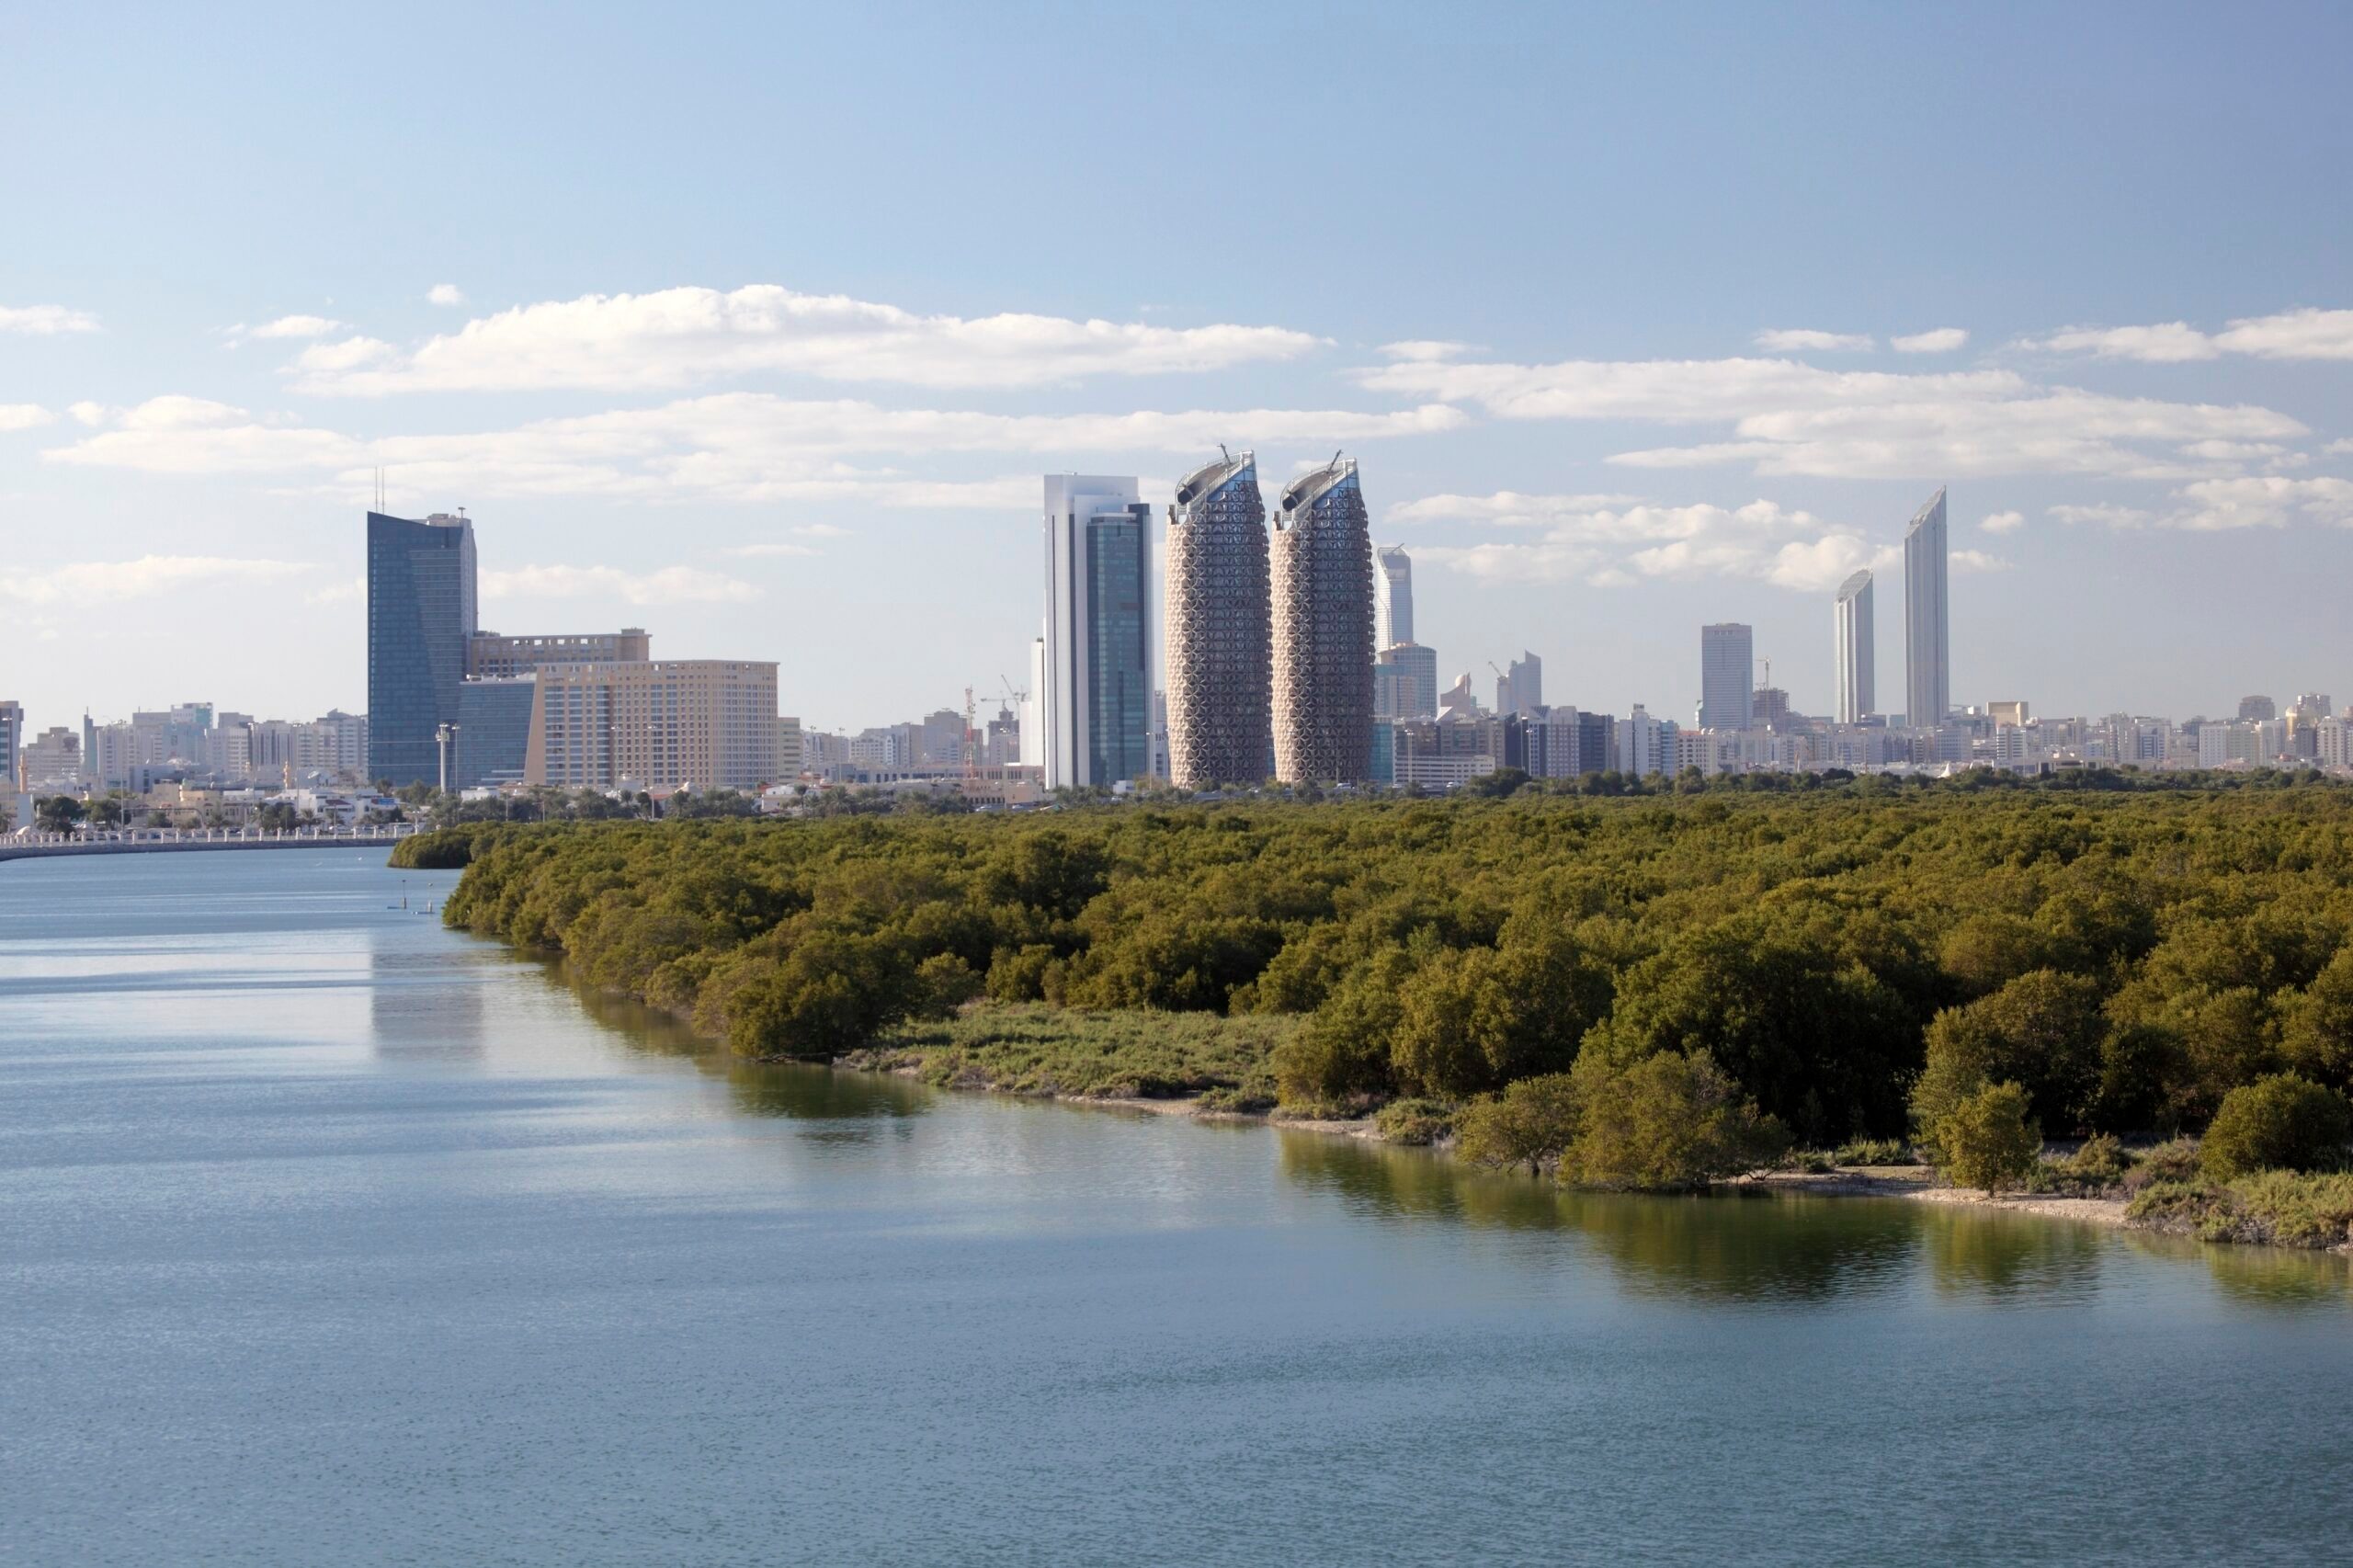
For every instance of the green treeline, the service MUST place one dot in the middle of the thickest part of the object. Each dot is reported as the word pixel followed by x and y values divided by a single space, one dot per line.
pixel 1846 958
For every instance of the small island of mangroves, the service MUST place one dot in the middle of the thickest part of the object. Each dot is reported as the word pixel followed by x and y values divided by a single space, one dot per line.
pixel 1648 991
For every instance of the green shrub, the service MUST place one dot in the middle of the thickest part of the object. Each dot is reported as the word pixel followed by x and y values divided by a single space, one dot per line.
pixel 2172 1162
pixel 2280 1122
pixel 2101 1162
pixel 1416 1121
pixel 1987 1140
pixel 1528 1124
pixel 2283 1208
pixel 1874 1152
pixel 1665 1123
pixel 1234 1102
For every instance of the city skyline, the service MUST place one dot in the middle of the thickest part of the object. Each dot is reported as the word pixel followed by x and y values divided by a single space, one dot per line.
pixel 1595 425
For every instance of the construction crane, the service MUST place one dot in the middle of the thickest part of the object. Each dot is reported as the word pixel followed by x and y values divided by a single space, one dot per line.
pixel 971 738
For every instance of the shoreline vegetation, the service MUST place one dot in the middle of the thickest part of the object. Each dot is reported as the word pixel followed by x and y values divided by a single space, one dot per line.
pixel 1799 986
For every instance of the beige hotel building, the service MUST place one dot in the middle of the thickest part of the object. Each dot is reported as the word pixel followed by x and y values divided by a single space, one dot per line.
pixel 653 724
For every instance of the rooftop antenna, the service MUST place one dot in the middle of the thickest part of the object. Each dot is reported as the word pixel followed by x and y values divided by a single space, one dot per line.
pixel 1223 453
pixel 1335 458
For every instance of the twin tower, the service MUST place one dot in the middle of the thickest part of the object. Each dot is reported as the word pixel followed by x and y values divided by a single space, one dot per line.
pixel 1270 638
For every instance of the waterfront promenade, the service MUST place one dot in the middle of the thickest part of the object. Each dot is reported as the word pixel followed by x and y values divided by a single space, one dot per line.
pixel 165 840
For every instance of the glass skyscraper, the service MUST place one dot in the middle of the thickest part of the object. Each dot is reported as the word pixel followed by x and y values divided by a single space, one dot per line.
pixel 494 732
pixel 420 613
pixel 1098 696
pixel 1727 677
pixel 1928 643
pixel 1854 650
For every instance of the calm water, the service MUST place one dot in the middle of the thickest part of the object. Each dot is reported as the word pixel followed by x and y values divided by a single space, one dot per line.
pixel 328 1236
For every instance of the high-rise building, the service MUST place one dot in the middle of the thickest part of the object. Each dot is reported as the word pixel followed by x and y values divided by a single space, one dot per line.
pixel 494 740
pixel 1097 687
pixel 1927 638
pixel 53 759
pixel 1520 689
pixel 490 656
pixel 2256 709
pixel 655 724
pixel 1392 597
pixel 1727 676
pixel 12 742
pixel 791 757
pixel 1323 624
pixel 421 615
pixel 1855 649
pixel 1220 631
pixel 1406 682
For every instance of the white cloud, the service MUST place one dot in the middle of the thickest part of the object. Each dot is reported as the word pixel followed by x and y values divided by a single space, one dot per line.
pixel 678 336
pixel 2002 522
pixel 108 581
pixel 45 320
pixel 297 326
pixel 749 447
pixel 1974 561
pixel 2305 334
pixel 1787 417
pixel 90 413
pixel 2104 515
pixel 349 591
pixel 669 584
pixel 24 415
pixel 2212 505
pixel 1761 540
pixel 1425 350
pixel 1938 340
pixel 351 355
pixel 2341 447
pixel 772 547
pixel 1801 340
pixel 445 294
pixel 822 531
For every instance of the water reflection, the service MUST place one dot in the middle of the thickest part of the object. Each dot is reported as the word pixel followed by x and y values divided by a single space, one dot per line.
pixel 1766 1246
pixel 797 1091
pixel 421 1005
pixel 1992 1256
pixel 2260 1277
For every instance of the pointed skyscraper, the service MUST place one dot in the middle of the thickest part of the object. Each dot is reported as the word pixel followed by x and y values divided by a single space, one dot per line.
pixel 1927 641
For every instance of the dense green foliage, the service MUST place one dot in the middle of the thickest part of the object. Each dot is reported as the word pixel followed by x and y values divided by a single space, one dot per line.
pixel 2127 957
pixel 1987 1140
pixel 1661 1122
pixel 1030 1049
pixel 2286 1208
pixel 2278 1122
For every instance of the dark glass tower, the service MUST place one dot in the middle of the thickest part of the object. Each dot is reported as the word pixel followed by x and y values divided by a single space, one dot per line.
pixel 1097 689
pixel 420 613
pixel 1323 629
pixel 1219 729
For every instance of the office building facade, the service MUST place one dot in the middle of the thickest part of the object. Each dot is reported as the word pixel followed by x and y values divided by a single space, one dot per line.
pixel 1727 677
pixel 1219 629
pixel 656 725
pixel 1927 638
pixel 490 656
pixel 1096 675
pixel 1323 629
pixel 421 615
pixel 11 745
pixel 1854 650
pixel 493 741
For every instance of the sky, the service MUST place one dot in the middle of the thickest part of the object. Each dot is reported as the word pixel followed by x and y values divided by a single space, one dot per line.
pixel 758 326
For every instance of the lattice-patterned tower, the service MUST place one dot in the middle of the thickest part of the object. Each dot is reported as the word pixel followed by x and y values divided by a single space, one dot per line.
pixel 1323 602
pixel 1219 636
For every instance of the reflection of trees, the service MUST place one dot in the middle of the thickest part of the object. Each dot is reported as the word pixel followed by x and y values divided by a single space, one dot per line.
pixel 791 1089
pixel 1761 1247
pixel 2261 1276
pixel 1984 1252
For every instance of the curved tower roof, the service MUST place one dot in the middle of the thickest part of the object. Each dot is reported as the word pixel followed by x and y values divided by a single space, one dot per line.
pixel 1323 628
pixel 1218 629
pixel 1854 584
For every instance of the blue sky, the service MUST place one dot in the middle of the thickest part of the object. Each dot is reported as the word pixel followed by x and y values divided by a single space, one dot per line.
pixel 761 324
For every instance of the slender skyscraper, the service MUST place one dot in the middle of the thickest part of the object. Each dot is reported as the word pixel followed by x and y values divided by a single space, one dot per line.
pixel 1323 621
pixel 1853 649
pixel 1218 634
pixel 1392 597
pixel 420 615
pixel 1727 677
pixel 1927 642
pixel 1097 689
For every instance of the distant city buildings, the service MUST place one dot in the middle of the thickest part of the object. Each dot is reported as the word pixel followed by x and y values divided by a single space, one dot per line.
pixel 1392 597
pixel 1219 628
pixel 1927 643
pixel 11 745
pixel 1323 629
pixel 656 725
pixel 1854 650
pixel 1520 687
pixel 1096 679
